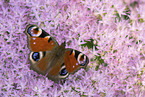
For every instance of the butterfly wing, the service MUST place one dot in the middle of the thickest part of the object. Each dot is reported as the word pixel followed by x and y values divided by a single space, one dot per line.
pixel 46 56
pixel 74 60
pixel 39 40
pixel 50 63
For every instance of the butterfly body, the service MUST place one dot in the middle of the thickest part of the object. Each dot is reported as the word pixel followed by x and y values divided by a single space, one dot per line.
pixel 48 58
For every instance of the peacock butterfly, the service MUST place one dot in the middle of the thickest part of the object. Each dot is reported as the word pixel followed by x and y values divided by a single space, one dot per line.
pixel 49 58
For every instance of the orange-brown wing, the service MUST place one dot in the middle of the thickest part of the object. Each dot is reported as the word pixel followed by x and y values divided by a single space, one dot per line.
pixel 74 60
pixel 39 40
pixel 47 63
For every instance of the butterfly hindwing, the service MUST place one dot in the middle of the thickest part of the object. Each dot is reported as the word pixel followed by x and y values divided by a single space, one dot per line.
pixel 39 40
pixel 74 60
pixel 38 61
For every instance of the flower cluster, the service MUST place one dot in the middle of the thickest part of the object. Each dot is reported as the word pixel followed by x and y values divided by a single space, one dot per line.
pixel 110 32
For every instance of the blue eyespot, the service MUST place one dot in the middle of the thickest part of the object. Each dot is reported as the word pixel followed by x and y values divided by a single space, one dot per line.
pixel 36 56
pixel 63 72
pixel 34 31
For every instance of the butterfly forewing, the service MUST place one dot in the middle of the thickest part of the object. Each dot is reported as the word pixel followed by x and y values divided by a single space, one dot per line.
pixel 39 40
pixel 74 60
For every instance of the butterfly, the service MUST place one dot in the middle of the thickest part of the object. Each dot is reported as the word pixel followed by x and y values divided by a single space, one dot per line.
pixel 49 58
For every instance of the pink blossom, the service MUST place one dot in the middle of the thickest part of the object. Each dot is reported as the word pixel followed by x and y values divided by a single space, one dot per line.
pixel 109 32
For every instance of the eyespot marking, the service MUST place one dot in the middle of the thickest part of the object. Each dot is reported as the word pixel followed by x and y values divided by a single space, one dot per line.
pixel 36 56
pixel 34 31
pixel 63 72
pixel 82 59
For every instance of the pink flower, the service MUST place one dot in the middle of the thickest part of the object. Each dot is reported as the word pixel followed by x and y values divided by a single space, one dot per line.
pixel 97 28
